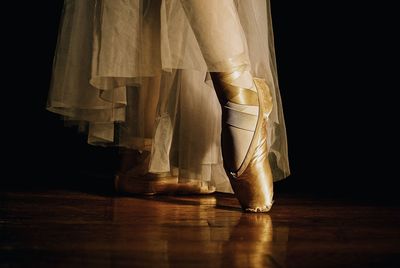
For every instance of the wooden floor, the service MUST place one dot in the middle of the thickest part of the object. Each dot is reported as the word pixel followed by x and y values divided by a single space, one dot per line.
pixel 75 229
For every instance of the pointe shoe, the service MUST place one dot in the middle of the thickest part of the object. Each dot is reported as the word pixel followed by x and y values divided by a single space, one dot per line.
pixel 145 184
pixel 252 183
pixel 137 180
pixel 152 184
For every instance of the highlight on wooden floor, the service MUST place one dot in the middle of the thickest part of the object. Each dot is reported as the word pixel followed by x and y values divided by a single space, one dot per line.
pixel 75 229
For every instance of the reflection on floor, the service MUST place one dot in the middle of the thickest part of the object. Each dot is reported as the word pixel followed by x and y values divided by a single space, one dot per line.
pixel 72 229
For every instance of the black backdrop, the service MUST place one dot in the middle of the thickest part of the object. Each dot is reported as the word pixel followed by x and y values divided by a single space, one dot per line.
pixel 331 64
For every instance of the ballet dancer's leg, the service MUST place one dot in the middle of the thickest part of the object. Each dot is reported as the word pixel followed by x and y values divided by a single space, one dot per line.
pixel 218 31
pixel 133 175
pixel 217 28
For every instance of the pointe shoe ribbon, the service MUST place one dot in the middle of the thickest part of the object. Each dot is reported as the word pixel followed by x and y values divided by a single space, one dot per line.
pixel 236 94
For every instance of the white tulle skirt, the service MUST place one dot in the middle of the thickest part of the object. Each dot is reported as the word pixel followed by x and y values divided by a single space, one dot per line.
pixel 131 73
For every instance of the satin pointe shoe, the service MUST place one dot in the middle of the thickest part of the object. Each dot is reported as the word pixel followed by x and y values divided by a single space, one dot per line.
pixel 134 178
pixel 252 182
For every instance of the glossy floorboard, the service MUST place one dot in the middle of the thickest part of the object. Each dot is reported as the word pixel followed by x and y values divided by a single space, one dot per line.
pixel 74 229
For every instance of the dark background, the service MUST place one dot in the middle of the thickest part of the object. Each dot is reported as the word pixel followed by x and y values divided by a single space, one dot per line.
pixel 336 85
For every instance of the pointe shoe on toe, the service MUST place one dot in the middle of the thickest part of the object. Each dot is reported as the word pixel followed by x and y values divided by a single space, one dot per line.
pixel 252 182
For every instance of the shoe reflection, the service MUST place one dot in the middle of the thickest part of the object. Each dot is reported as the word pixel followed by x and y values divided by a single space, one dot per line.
pixel 168 231
pixel 254 242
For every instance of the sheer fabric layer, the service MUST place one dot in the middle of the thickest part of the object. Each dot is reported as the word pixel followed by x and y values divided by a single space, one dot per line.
pixel 131 73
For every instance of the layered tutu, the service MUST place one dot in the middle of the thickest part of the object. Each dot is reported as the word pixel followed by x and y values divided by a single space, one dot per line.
pixel 131 73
